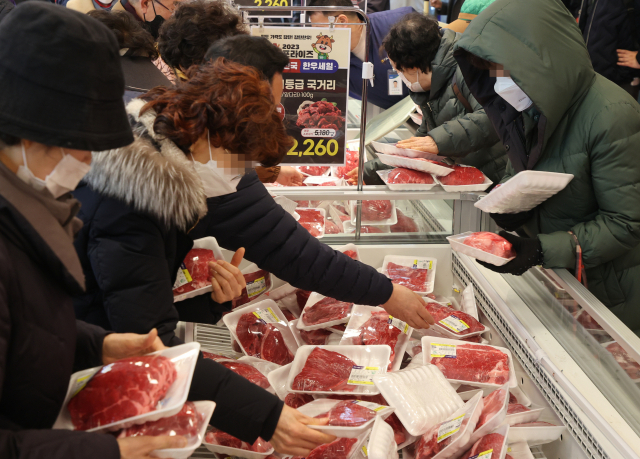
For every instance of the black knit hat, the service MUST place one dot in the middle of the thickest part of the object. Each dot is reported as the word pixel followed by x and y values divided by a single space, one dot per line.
pixel 61 83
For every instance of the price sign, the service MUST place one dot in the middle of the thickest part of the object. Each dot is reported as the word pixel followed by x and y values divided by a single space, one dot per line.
pixel 264 3
pixel 315 91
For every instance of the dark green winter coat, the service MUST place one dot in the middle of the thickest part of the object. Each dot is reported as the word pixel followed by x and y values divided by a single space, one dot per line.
pixel 467 138
pixel 583 124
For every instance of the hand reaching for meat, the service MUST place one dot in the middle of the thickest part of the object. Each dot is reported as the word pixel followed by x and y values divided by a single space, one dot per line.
pixel 292 436
pixel 352 177
pixel 227 281
pixel 289 176
pixel 142 447
pixel 118 346
pixel 426 144
pixel 409 307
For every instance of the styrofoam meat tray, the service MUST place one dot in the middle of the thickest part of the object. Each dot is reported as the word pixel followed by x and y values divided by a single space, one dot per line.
pixel 278 380
pixel 468 303
pixel 535 436
pixel 462 439
pixel 504 431
pixel 520 450
pixel 522 398
pixel 361 314
pixel 231 321
pixel 526 416
pixel 382 443
pixel 458 245
pixel 462 188
pixel 348 247
pixel 415 164
pixel 393 149
pixel 426 352
pixel 323 405
pixel 386 222
pixel 315 180
pixel 420 262
pixel 236 452
pixel 324 218
pixel 421 396
pixel 496 420
pixel 364 356
pixel 204 243
pixel 313 299
pixel 184 358
pixel 384 175
pixel 205 409
pixel 325 173
pixel 523 192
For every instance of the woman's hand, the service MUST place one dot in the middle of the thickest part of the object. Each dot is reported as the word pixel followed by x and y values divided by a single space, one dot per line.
pixel 293 437
pixel 528 254
pixel 409 307
pixel 227 282
pixel 426 144
pixel 141 447
pixel 290 176
pixel 628 58
pixel 352 177
pixel 118 346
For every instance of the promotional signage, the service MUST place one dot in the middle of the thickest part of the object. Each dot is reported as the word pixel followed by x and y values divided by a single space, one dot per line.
pixel 265 3
pixel 316 90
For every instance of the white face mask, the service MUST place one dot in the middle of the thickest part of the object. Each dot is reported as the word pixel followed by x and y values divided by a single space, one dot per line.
pixel 506 88
pixel 216 181
pixel 64 177
pixel 413 87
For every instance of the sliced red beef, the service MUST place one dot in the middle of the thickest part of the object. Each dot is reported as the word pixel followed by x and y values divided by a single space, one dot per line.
pixel 413 278
pixel 378 330
pixel 475 363
pixel 402 175
pixel 324 371
pixel 376 210
pixel 197 264
pixel 186 423
pixel 491 243
pixel 218 437
pixel 492 441
pixel 326 310
pixel 248 372
pixel 315 337
pixel 258 282
pixel 463 175
pixel 262 340
pixel 445 313
pixel 297 400
pixel 338 449
pixel 312 221
pixel 493 403
pixel 348 414
pixel 331 228
pixel 405 224
pixel 514 408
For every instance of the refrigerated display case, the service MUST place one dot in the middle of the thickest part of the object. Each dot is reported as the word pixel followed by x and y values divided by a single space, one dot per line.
pixel 540 316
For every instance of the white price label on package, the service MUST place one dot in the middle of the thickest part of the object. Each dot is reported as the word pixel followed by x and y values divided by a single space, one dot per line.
pixel 448 428
pixel 400 325
pixel 443 350
pixel 362 376
pixel 372 406
pixel 454 324
pixel 267 315
pixel 256 287
pixel 422 264
pixel 483 455
pixel 183 277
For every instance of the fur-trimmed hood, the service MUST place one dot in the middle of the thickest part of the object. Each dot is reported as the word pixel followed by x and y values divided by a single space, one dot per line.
pixel 160 181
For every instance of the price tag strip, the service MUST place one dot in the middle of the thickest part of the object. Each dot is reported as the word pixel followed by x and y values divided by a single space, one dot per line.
pixel 450 427
pixel 400 325
pixel 422 264
pixel 483 455
pixel 454 324
pixel 362 376
pixel 256 287
pixel 372 406
pixel 443 350
pixel 267 316
pixel 183 277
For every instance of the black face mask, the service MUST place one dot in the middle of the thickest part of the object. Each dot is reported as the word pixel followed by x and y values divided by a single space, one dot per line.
pixel 153 27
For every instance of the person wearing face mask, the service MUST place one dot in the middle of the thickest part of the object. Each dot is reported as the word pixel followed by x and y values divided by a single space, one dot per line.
pixel 44 153
pixel 379 94
pixel 454 124
pixel 554 113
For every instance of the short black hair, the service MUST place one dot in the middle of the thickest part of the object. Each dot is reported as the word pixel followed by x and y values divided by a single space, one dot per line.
pixel 128 31
pixel 345 3
pixel 413 42
pixel 185 37
pixel 256 52
pixel 8 140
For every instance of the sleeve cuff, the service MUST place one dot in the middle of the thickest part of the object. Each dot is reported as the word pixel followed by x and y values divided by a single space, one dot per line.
pixel 271 423
pixel 559 250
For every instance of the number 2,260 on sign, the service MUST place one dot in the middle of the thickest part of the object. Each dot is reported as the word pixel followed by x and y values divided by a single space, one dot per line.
pixel 314 148
pixel 271 2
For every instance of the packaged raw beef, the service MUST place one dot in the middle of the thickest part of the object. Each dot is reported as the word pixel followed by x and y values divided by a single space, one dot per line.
pixel 493 442
pixel 402 175
pixel 186 423
pixel 315 337
pixel 413 278
pixel 325 371
pixel 338 449
pixel 247 371
pixel 351 254
pixel 463 175
pixel 624 360
pixel 351 163
pixel 405 224
pixel 376 210
pixel 262 340
pixel 493 405
pixel 491 243
pixel 588 322
pixel 325 311
pixel 194 271
pixel 212 356
pixel 331 228
pixel 302 296
pixel 400 434
pixel 297 400
pixel 514 408
pixel 475 363
pixel 220 438
pixel 348 413
pixel 313 170
pixel 288 314
pixel 121 390
pixel 258 282
pixel 364 229
pixel 312 220
pixel 454 322
pixel 512 399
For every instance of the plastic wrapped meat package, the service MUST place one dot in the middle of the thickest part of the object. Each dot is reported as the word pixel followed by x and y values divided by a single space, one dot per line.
pixel 323 312
pixel 484 246
pixel 518 414
pixel 244 369
pixel 375 212
pixel 451 437
pixel 373 325
pixel 463 175
pixel 337 369
pixel 630 366
pixel 495 443
pixel 313 220
pixel 381 443
pixel 421 396
pixel 454 324
pixel 258 281
pixel 341 448
pixel 221 442
pixel 351 163
pixel 195 271
pixel 316 337
pixel 480 365
pixel 403 175
pixel 415 273
pixel 494 412
pixel 263 332
pixel 350 250
pixel 405 224
pixel 313 170
pixel 297 400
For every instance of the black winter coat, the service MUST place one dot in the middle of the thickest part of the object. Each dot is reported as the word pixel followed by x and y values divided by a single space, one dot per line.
pixel 131 246
pixel 41 344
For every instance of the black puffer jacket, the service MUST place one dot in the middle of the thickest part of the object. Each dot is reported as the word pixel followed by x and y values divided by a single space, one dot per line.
pixel 41 344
